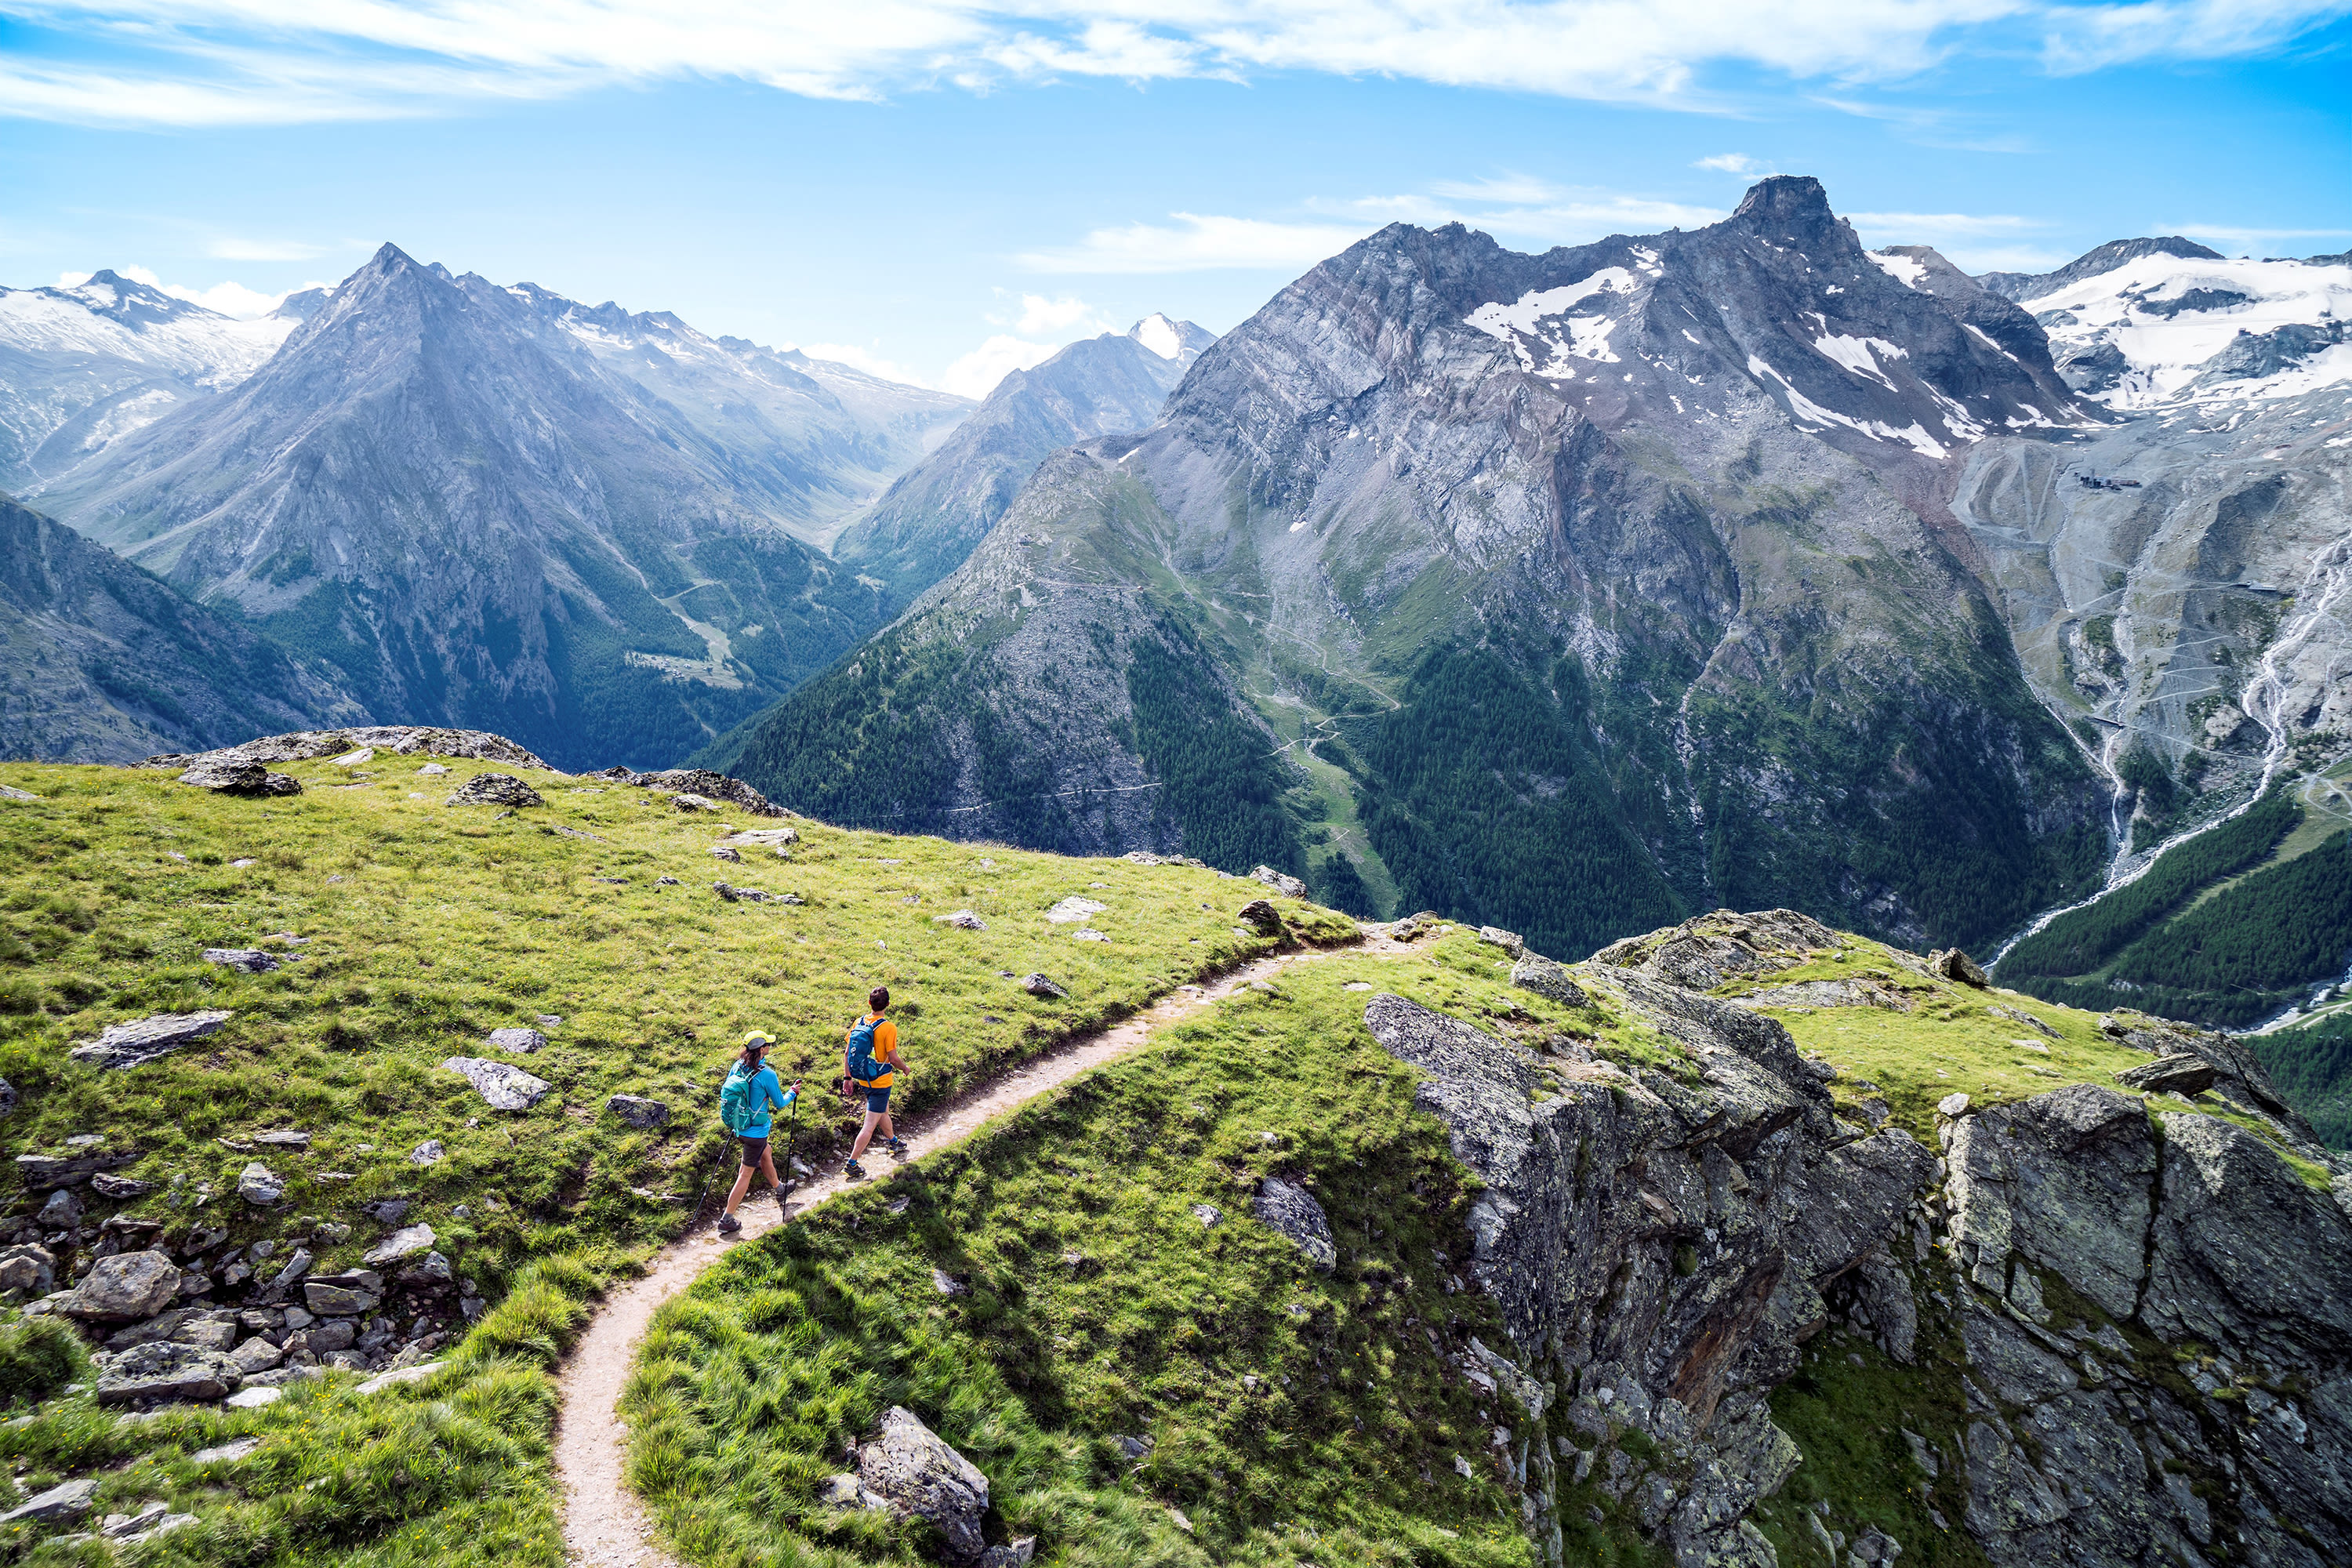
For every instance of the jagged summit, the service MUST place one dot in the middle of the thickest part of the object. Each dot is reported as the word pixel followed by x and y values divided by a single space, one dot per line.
pixel 1170 339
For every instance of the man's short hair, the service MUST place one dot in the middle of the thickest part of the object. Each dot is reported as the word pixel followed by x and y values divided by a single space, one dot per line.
pixel 878 998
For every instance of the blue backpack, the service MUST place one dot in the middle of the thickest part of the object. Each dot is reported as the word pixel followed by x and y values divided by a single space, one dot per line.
pixel 737 1109
pixel 859 1061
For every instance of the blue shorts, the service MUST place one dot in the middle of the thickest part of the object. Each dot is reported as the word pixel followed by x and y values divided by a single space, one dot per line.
pixel 877 1101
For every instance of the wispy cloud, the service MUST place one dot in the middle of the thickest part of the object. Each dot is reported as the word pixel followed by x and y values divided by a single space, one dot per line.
pixel 975 374
pixel 1528 208
pixel 213 62
pixel 230 299
pixel 2237 234
pixel 1197 242
pixel 1730 164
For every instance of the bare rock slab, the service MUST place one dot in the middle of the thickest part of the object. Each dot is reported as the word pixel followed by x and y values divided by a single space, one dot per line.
pixel 495 789
pixel 120 1045
pixel 502 1085
pixel 163 1370
pixel 636 1110
pixel 1281 882
pixel 1539 975
pixel 410 1241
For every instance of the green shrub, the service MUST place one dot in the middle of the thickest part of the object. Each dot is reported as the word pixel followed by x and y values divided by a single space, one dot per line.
pixel 38 1357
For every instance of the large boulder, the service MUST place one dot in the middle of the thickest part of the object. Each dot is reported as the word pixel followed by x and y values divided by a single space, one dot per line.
pixel 1261 914
pixel 503 1085
pixel 1290 1211
pixel 60 1504
pixel 120 1045
pixel 125 1286
pixel 711 786
pixel 246 960
pixel 1281 882
pixel 27 1270
pixel 1951 963
pixel 163 1370
pixel 42 1173
pixel 916 1475
pixel 519 1042
pixel 1539 975
pixel 495 789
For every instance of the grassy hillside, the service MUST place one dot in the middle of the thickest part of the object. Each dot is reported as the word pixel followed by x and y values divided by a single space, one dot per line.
pixel 424 927
pixel 2230 928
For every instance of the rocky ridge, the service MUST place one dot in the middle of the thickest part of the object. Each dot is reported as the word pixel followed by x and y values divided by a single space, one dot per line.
pixel 2139 1297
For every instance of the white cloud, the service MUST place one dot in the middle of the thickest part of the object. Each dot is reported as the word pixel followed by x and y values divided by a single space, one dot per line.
pixel 1198 243
pixel 1067 317
pixel 1525 207
pixel 230 299
pixel 1730 164
pixel 205 62
pixel 2225 234
pixel 976 373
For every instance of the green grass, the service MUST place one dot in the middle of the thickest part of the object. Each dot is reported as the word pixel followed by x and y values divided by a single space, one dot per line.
pixel 1948 1039
pixel 429 926
pixel 1295 1417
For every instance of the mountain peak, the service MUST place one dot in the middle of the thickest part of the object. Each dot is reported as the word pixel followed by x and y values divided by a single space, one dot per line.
pixel 1785 203
pixel 2022 286
pixel 1171 339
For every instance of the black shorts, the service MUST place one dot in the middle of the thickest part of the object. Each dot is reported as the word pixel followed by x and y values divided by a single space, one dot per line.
pixel 754 1151
pixel 877 1101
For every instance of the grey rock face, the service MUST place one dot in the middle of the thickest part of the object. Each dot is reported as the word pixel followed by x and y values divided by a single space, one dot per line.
pixel 1290 1211
pixel 1670 1244
pixel 918 1475
pixel 41 1173
pixel 399 739
pixel 162 1370
pixel 128 1045
pixel 502 1085
pixel 239 778
pixel 495 789
pixel 127 1286
pixel 638 1111
pixel 1953 964
pixel 343 1295
pixel 27 1269
pixel 703 785
pixel 246 960
pixel 1262 914
pixel 1039 986
pixel 520 1041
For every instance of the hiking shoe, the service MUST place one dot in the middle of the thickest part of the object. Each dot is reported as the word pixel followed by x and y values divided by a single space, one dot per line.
pixel 898 1146
pixel 729 1222
pixel 854 1171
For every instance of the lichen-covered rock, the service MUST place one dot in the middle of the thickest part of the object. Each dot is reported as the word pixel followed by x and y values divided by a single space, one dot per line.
pixel 127 1286
pixel 1039 986
pixel 238 776
pixel 699 781
pixel 405 740
pixel 259 1186
pixel 163 1370
pixel 404 1243
pixel 522 1042
pixel 246 960
pixel 1290 1211
pixel 1281 882
pixel 916 1474
pixel 495 789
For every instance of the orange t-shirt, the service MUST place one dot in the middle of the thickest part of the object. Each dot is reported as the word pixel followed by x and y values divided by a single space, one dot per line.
pixel 885 1046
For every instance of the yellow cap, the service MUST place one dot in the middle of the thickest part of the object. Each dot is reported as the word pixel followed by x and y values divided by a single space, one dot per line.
pixel 759 1038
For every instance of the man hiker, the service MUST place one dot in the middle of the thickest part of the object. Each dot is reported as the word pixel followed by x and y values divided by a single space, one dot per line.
pixel 747 1103
pixel 868 1060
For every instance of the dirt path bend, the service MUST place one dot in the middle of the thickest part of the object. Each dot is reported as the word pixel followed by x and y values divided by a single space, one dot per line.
pixel 604 1525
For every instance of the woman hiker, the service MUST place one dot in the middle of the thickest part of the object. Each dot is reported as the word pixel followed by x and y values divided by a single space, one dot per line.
pixel 869 1059
pixel 747 1103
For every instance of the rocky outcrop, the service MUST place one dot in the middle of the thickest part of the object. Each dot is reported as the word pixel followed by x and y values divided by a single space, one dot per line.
pixel 702 784
pixel 502 1085
pixel 495 789
pixel 400 740
pixel 2144 1307
pixel 1291 1212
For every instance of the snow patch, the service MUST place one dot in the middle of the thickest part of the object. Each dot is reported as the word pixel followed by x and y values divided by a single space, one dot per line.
pixel 1902 268
pixel 1854 354
pixel 1805 408
pixel 1158 334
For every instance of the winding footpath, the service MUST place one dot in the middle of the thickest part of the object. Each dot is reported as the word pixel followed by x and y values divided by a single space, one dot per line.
pixel 603 1525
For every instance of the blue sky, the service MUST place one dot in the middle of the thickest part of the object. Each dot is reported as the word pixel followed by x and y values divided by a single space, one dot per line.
pixel 944 188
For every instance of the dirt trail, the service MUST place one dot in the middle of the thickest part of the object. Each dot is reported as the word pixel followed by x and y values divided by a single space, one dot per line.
pixel 604 1525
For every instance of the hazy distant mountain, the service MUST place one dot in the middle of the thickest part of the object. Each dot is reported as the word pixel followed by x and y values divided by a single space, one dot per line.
pixel 101 663
pixel 82 367
pixel 486 507
pixel 927 521
pixel 1565 592
pixel 806 439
